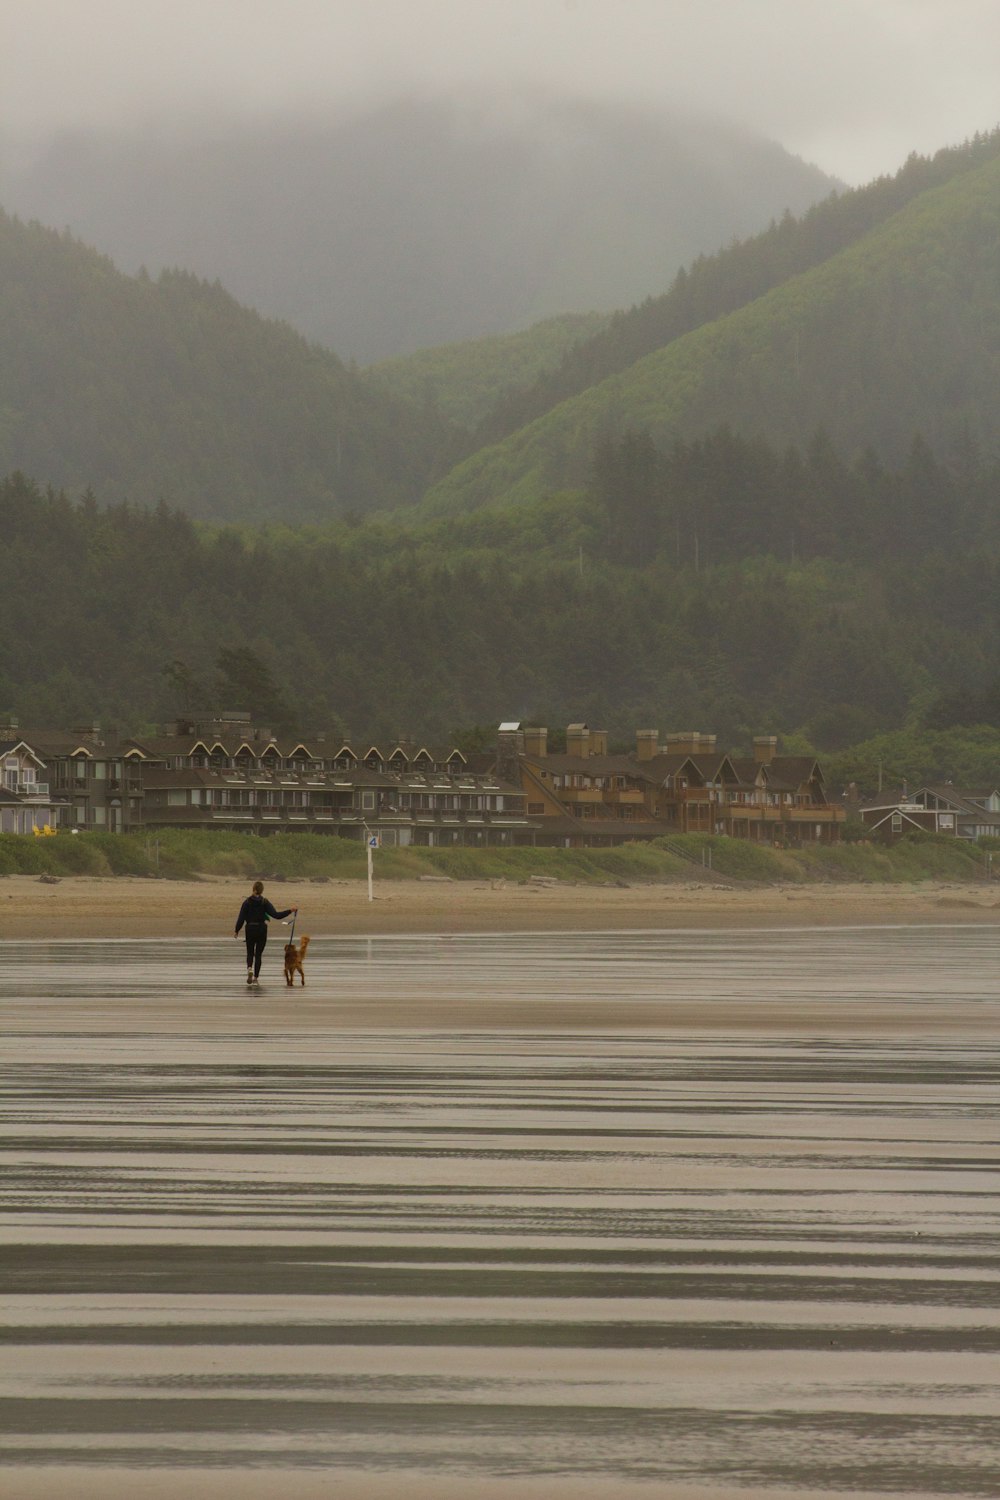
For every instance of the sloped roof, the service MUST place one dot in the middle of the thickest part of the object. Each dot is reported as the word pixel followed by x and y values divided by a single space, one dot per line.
pixel 7 747
pixel 888 800
pixel 959 801
pixel 797 768
pixel 748 770
pixel 59 742
pixel 709 767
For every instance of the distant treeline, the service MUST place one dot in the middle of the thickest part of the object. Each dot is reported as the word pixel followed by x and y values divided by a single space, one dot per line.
pixel 683 590
pixel 724 497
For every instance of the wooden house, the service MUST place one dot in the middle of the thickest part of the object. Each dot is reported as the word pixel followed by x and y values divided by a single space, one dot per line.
pixel 585 795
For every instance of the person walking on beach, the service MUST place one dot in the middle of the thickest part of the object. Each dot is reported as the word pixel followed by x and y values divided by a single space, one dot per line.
pixel 254 914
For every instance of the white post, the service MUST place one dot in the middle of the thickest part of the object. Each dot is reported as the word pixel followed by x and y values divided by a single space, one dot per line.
pixel 371 864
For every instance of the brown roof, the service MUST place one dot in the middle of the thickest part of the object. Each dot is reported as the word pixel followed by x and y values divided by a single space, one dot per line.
pixel 587 765
pixel 747 769
pixel 795 768
pixel 708 767
pixel 61 742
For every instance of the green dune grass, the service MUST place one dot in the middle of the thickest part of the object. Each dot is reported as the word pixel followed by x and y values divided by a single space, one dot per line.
pixel 181 854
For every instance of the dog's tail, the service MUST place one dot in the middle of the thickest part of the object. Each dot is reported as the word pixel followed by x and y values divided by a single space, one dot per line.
pixel 303 945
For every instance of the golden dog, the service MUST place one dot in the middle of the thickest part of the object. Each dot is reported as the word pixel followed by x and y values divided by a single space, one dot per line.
pixel 293 961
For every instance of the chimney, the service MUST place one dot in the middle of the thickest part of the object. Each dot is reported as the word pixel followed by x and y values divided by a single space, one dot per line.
pixel 647 743
pixel 9 724
pixel 598 742
pixel 510 745
pixel 536 743
pixel 578 740
pixel 765 748
pixel 684 742
pixel 90 732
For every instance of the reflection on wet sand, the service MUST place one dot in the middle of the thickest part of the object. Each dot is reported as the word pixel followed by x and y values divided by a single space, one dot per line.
pixel 429 1222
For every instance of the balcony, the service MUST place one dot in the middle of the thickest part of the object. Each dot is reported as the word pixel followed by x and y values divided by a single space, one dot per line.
pixel 822 814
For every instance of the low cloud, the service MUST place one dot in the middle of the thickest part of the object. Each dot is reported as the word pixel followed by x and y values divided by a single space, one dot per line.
pixel 854 86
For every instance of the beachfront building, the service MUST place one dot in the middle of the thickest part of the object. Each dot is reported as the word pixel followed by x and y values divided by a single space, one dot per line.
pixel 228 773
pixel 975 810
pixel 71 779
pixel 945 809
pixel 586 796
pixel 26 804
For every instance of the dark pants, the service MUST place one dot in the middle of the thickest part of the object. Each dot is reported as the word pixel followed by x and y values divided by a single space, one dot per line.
pixel 256 936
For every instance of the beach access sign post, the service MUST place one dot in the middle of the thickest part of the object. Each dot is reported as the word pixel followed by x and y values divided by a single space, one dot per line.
pixel 372 841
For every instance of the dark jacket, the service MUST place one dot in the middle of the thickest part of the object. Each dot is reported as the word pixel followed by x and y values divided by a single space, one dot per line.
pixel 256 910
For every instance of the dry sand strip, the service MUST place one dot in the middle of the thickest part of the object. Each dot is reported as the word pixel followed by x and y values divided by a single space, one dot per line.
pixel 84 907
pixel 74 1482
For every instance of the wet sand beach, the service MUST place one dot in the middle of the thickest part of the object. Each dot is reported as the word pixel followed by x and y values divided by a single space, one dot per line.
pixel 689 1214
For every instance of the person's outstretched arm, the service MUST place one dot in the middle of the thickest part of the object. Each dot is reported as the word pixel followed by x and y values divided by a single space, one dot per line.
pixel 279 916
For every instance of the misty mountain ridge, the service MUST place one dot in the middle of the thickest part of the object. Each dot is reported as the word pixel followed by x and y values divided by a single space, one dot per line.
pixel 873 316
pixel 419 222
pixel 875 319
pixel 168 389
pixel 660 534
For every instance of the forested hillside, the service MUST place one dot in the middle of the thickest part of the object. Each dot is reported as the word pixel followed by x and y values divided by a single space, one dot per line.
pixel 144 389
pixel 418 222
pixel 463 381
pixel 785 518
pixel 714 285
pixel 896 335
pixel 598 606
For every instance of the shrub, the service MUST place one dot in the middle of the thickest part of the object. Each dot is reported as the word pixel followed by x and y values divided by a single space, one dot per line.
pixel 860 862
pixel 76 854
pixel 25 851
pixel 8 858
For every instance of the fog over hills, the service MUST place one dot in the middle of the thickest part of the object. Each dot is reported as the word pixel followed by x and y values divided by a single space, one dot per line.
pixel 420 222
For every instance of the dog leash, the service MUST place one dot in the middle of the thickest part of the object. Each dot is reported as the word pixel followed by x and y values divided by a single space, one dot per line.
pixel 295 917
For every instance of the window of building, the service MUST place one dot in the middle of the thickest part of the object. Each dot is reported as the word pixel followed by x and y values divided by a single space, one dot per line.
pixel 897 822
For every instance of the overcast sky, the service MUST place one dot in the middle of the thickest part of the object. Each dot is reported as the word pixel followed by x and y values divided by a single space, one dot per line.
pixel 853 85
